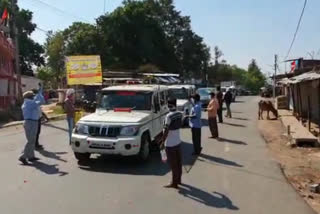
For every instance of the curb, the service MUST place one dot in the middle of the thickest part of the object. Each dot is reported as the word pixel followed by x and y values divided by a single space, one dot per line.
pixel 18 123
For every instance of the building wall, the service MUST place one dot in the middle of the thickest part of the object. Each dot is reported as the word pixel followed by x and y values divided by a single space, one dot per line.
pixel 307 89
pixel 3 87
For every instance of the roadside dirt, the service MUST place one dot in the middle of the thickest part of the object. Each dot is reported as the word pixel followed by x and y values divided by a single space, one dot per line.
pixel 301 166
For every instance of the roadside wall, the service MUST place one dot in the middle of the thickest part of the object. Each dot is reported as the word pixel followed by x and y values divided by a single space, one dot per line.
pixel 301 93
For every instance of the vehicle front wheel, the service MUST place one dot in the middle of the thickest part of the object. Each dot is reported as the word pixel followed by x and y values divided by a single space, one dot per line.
pixel 83 157
pixel 144 152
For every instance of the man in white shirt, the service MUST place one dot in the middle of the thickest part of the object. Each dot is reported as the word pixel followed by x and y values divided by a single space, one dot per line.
pixel 171 141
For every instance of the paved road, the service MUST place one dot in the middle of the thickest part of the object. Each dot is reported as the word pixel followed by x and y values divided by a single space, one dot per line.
pixel 235 175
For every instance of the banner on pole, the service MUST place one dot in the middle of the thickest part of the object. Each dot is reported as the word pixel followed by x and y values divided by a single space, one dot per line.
pixel 83 70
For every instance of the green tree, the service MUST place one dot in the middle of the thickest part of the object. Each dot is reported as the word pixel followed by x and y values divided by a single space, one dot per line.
pixel 31 52
pixel 131 37
pixel 81 39
pixel 217 55
pixel 47 76
pixel 135 34
pixel 191 54
pixel 55 52
pixel 255 78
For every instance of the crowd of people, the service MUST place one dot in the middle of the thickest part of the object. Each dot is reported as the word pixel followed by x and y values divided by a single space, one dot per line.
pixel 171 140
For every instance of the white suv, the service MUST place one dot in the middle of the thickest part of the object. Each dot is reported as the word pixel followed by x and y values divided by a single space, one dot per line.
pixel 182 93
pixel 128 119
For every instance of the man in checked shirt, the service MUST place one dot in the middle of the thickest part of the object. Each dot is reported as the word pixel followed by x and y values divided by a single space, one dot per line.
pixel 171 141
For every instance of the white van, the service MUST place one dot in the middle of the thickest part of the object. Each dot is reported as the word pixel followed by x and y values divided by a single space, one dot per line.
pixel 128 119
pixel 182 93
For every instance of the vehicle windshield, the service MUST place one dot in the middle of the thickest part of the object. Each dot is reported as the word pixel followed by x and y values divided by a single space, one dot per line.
pixel 126 99
pixel 204 92
pixel 180 93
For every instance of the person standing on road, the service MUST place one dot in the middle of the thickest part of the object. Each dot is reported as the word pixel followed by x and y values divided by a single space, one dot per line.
pixel 228 100
pixel 38 146
pixel 212 116
pixel 195 124
pixel 30 110
pixel 171 141
pixel 70 110
pixel 220 100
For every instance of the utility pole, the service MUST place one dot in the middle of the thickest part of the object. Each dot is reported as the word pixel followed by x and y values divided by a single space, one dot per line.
pixel 275 73
pixel 16 44
pixel 104 7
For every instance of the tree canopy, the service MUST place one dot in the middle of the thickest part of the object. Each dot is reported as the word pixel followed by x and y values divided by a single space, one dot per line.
pixel 31 52
pixel 147 35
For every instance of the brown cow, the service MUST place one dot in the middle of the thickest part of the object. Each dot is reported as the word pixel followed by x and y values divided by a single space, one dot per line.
pixel 265 105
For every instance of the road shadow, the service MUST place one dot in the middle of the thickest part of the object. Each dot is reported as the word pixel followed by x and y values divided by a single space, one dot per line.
pixel 234 124
pixel 130 165
pixel 239 101
pixel 53 155
pixel 188 159
pixel 218 160
pixel 48 169
pixel 238 142
pixel 240 118
pixel 215 199
pixel 55 127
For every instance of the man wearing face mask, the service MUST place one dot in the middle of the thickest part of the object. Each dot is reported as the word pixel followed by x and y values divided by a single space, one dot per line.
pixel 195 124
pixel 171 141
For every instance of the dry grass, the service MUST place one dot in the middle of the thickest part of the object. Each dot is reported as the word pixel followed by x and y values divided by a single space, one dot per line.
pixel 301 166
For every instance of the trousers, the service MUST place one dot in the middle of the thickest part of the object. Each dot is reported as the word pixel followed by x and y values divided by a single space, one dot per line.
pixel 38 132
pixel 213 127
pixel 228 110
pixel 175 162
pixel 220 113
pixel 31 129
pixel 70 121
pixel 196 140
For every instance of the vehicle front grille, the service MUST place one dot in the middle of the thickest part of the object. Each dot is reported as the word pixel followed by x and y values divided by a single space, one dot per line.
pixel 110 131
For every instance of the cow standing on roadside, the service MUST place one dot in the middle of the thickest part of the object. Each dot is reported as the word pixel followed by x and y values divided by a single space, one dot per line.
pixel 265 105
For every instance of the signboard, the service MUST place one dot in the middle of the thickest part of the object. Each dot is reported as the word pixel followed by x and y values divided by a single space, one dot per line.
pixel 83 70
pixel 294 65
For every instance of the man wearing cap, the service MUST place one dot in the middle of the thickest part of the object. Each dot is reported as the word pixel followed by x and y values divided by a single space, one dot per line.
pixel 171 141
pixel 30 110
pixel 195 124
pixel 212 115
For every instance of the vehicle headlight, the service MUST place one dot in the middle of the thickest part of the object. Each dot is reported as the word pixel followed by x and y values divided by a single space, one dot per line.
pixel 81 129
pixel 129 130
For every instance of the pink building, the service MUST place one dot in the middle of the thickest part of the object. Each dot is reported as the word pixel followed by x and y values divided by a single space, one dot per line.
pixel 8 78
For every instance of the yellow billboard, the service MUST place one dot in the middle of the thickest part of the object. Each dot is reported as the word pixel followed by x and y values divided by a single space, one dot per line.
pixel 83 69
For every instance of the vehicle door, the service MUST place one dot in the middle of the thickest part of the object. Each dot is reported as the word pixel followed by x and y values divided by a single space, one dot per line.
pixel 156 116
pixel 163 106
pixel 191 92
